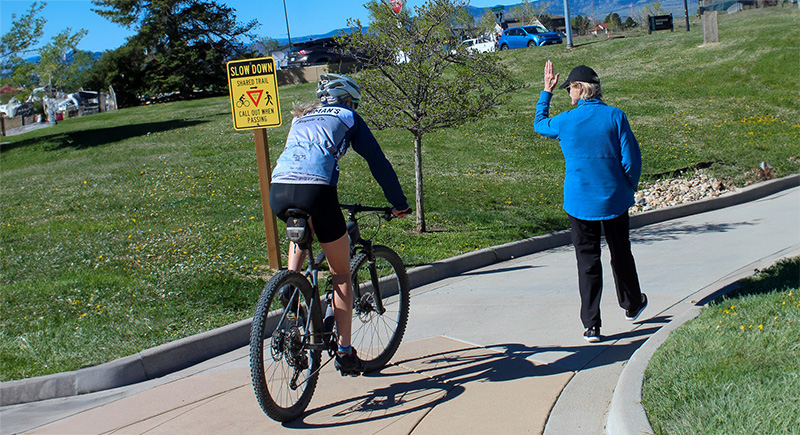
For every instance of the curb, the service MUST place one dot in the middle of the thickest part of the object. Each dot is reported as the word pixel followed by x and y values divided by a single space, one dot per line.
pixel 180 354
pixel 626 415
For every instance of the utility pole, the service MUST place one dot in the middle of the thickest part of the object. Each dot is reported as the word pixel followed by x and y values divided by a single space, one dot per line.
pixel 286 14
pixel 567 20
pixel 686 12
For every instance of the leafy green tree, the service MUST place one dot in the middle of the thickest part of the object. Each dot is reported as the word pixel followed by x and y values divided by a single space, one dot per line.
pixel 122 70
pixel 268 44
pixel 186 43
pixel 629 23
pixel 463 19
pixel 25 32
pixel 60 63
pixel 614 21
pixel 413 82
pixel 581 24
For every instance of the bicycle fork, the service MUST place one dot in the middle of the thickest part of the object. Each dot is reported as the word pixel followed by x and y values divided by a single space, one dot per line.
pixel 375 278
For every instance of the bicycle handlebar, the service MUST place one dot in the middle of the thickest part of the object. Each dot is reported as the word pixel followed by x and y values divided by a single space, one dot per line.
pixel 353 209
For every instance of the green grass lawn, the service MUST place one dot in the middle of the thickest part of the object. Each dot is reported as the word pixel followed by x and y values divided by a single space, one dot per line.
pixel 735 369
pixel 124 230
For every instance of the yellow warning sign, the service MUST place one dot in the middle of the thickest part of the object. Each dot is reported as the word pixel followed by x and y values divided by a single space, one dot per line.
pixel 253 88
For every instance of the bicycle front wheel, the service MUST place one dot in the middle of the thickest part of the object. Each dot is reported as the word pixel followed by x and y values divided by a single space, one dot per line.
pixel 282 367
pixel 377 335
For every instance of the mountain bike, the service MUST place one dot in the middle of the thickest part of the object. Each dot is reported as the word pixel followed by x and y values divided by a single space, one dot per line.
pixel 292 327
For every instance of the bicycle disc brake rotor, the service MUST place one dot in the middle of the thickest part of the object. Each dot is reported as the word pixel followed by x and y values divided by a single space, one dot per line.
pixel 365 306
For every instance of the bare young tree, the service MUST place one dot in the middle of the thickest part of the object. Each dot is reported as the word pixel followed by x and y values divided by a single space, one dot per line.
pixel 415 81
pixel 528 13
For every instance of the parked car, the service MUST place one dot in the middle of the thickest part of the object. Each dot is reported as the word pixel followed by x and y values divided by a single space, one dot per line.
pixel 527 36
pixel 15 108
pixel 479 45
pixel 319 51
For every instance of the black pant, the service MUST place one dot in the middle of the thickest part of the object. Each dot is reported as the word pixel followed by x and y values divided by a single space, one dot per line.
pixel 586 239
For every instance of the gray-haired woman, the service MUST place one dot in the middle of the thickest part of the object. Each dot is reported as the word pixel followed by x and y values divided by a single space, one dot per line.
pixel 602 168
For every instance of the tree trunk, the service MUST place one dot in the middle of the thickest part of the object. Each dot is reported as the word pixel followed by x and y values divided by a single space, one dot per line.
pixel 420 195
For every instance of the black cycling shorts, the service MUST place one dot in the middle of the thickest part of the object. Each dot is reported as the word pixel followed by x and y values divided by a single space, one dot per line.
pixel 319 200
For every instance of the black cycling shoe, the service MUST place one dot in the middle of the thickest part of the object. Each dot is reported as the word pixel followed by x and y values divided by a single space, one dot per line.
pixel 348 363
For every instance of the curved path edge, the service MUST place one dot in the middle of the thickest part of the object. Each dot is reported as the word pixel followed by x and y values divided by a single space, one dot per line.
pixel 180 354
pixel 626 415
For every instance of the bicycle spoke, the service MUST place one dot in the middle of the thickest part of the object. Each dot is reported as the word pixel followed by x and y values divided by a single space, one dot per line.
pixel 282 366
pixel 377 335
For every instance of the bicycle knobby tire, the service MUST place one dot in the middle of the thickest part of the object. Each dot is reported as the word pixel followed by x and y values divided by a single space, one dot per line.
pixel 276 352
pixel 377 336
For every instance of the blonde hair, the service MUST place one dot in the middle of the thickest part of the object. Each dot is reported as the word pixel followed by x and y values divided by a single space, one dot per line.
pixel 589 90
pixel 301 109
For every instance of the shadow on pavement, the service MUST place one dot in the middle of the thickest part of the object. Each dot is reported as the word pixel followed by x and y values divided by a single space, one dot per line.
pixel 500 270
pixel 674 231
pixel 381 404
pixel 448 374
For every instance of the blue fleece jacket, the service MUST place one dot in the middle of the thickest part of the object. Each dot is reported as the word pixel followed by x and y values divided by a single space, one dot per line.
pixel 603 162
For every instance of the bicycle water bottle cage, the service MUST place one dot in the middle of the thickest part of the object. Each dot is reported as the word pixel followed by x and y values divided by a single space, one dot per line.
pixel 297 229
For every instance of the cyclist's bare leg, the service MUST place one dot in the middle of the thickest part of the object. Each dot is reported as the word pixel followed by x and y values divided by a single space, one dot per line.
pixel 338 256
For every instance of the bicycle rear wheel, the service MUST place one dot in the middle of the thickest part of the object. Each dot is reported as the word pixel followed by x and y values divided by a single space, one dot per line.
pixel 283 369
pixel 377 335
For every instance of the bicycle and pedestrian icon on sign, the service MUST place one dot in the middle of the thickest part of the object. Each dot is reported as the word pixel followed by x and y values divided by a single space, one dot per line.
pixel 254 95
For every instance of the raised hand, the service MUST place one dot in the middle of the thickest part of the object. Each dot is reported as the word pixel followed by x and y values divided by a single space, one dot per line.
pixel 550 78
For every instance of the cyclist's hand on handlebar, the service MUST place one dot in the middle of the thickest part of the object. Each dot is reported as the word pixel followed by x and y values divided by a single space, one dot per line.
pixel 403 213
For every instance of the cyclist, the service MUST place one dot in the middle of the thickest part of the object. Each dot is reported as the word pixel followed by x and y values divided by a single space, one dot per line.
pixel 305 177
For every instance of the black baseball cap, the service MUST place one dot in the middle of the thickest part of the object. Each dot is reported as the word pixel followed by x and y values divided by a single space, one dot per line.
pixel 581 73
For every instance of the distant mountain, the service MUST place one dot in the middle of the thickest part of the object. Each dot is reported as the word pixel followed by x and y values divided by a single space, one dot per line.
pixel 94 54
pixel 599 9
pixel 596 9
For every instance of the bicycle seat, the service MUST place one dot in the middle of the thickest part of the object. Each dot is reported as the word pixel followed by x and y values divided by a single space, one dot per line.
pixel 297 228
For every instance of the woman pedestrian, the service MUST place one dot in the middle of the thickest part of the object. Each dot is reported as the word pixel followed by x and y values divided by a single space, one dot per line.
pixel 305 177
pixel 602 168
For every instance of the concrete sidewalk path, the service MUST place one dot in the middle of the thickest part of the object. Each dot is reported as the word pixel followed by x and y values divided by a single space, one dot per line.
pixel 498 349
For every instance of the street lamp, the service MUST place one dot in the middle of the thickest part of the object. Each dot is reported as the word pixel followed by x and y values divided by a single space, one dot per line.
pixel 567 19
pixel 286 14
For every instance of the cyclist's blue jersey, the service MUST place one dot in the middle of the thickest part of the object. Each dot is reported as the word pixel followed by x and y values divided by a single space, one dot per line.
pixel 317 141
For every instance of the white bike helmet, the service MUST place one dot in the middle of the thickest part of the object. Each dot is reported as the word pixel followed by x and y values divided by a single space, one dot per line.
pixel 334 88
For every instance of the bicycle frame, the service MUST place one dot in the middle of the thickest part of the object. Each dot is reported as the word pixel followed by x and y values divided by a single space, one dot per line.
pixel 289 353
pixel 357 244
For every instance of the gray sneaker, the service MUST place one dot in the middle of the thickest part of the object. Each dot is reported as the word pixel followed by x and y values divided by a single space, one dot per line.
pixel 592 335
pixel 634 314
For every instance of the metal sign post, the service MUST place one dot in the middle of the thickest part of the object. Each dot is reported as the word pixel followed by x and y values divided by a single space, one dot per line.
pixel 253 89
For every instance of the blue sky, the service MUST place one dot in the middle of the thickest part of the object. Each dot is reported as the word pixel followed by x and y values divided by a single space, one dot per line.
pixel 306 17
